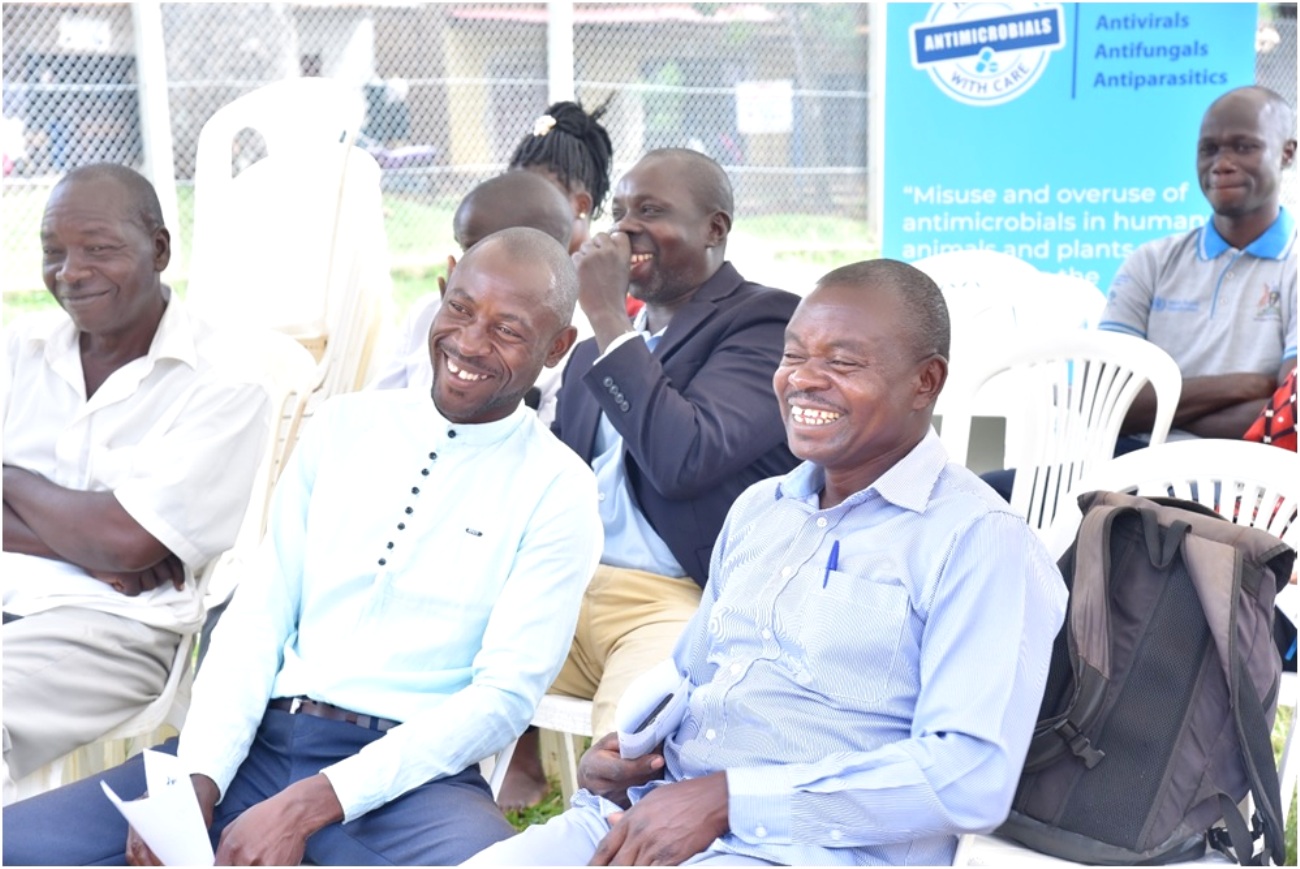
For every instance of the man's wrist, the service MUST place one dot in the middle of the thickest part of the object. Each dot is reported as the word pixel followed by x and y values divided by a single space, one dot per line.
pixel 313 803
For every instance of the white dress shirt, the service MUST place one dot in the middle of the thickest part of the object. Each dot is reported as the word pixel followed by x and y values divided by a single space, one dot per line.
pixel 413 569
pixel 175 435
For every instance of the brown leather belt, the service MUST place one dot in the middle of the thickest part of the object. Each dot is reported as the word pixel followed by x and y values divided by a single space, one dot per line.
pixel 303 706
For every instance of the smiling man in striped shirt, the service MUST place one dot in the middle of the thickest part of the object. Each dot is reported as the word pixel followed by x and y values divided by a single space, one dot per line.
pixel 867 663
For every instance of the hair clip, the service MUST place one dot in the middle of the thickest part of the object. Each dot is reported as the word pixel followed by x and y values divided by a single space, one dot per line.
pixel 543 125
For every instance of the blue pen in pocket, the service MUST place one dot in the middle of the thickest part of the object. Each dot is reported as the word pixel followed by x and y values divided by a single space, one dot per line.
pixel 832 562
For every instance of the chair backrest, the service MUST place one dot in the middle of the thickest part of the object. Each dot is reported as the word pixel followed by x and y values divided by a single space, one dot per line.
pixel 1073 391
pixel 289 376
pixel 982 289
pixel 295 241
pixel 1247 483
pixel 1057 301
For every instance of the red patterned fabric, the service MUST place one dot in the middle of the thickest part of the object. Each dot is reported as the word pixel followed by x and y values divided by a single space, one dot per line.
pixel 1276 422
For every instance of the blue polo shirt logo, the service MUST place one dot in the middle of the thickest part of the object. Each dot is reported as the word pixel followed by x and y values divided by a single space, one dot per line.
pixel 1269 306
pixel 1175 306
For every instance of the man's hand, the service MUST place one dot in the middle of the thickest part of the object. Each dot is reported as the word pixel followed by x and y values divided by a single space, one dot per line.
pixel 274 832
pixel 139 854
pixel 169 570
pixel 605 773
pixel 669 825
pixel 603 263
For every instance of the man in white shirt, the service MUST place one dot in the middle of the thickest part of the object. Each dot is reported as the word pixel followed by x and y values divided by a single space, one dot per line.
pixel 414 598
pixel 131 437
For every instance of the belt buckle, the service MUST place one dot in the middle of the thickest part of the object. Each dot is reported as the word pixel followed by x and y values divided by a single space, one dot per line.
pixel 295 703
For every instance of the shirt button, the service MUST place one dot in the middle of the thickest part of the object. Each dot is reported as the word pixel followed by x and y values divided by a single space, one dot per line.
pixel 804 677
pixel 409 511
pixel 383 561
pixel 836 835
pixel 451 433
pixel 601 496
pixel 710 734
pixel 401 526
pixel 821 521
pixel 433 456
pixel 760 831
pixel 767 635
pixel 787 572
pixel 607 382
pixel 735 668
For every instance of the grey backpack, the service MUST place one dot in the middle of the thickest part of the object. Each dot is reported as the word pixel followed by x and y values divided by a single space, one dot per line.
pixel 1161 694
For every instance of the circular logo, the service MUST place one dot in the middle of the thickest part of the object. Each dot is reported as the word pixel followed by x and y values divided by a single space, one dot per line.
pixel 984 54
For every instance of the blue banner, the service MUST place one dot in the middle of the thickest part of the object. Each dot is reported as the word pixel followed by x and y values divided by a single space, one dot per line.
pixel 1064 134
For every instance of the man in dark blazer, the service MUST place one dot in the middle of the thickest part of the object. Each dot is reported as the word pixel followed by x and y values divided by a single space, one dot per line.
pixel 673 411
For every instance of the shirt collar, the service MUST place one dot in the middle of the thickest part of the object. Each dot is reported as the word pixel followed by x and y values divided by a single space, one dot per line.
pixel 1275 243
pixel 478 434
pixel 907 484
pixel 173 339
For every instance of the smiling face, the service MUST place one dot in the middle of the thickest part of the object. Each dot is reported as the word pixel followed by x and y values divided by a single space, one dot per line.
pixel 493 334
pixel 100 262
pixel 1243 147
pixel 676 243
pixel 854 395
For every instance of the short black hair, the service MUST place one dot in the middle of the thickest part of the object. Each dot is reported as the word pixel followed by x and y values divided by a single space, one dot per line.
pixel 922 299
pixel 574 146
pixel 141 189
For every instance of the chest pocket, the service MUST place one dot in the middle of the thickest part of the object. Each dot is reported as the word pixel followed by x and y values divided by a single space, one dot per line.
pixel 851 636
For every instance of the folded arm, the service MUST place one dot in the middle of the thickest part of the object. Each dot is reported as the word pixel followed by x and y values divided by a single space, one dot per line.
pixel 89 529
pixel 1214 406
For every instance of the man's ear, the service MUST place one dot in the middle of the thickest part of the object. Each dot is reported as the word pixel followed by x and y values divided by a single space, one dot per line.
pixel 560 345
pixel 1288 152
pixel 580 201
pixel 932 374
pixel 719 228
pixel 162 248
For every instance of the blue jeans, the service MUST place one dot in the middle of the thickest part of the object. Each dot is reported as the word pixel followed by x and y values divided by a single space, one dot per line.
pixel 442 822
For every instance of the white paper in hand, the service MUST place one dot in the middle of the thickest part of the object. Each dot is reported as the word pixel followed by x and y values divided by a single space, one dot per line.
pixel 650 709
pixel 168 819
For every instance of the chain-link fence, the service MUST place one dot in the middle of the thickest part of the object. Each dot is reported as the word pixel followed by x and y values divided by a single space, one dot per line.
pixel 775 92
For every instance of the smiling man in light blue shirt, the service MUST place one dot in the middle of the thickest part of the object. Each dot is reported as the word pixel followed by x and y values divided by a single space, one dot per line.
pixel 415 596
pixel 868 660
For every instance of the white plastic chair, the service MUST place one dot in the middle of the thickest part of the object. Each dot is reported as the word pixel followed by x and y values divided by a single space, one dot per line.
pixel 570 719
pixel 1250 484
pixel 1247 483
pixel 290 375
pixel 296 240
pixel 1073 391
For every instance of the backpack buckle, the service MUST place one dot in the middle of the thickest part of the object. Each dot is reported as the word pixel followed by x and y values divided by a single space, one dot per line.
pixel 1079 744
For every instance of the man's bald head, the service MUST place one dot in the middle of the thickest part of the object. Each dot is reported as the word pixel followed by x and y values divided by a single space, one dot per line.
pixel 708 180
pixel 515 199
pixel 525 244
pixel 143 197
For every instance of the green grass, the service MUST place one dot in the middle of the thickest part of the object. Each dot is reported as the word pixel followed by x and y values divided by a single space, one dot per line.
pixel 550 806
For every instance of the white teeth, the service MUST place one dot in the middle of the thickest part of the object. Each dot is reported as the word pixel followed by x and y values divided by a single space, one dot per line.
pixel 461 374
pixel 641 257
pixel 812 416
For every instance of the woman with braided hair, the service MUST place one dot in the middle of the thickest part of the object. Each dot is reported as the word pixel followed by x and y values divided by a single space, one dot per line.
pixel 569 146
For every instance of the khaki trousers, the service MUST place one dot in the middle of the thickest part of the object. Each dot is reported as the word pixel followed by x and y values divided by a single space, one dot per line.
pixel 71 675
pixel 630 620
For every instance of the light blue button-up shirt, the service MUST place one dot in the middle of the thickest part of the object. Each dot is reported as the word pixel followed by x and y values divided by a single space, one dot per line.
pixel 630 540
pixel 869 706
pixel 413 569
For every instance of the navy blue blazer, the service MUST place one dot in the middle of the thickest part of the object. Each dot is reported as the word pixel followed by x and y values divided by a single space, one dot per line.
pixel 699 420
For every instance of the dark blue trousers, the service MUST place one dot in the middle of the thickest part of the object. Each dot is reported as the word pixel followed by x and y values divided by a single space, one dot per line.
pixel 442 822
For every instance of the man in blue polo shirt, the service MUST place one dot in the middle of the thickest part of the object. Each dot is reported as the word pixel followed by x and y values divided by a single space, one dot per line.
pixel 1221 299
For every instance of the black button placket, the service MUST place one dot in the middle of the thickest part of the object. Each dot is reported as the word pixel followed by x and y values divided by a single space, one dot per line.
pixel 409 509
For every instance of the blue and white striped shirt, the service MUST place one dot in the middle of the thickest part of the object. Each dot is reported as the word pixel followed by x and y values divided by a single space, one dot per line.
pixel 869 706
